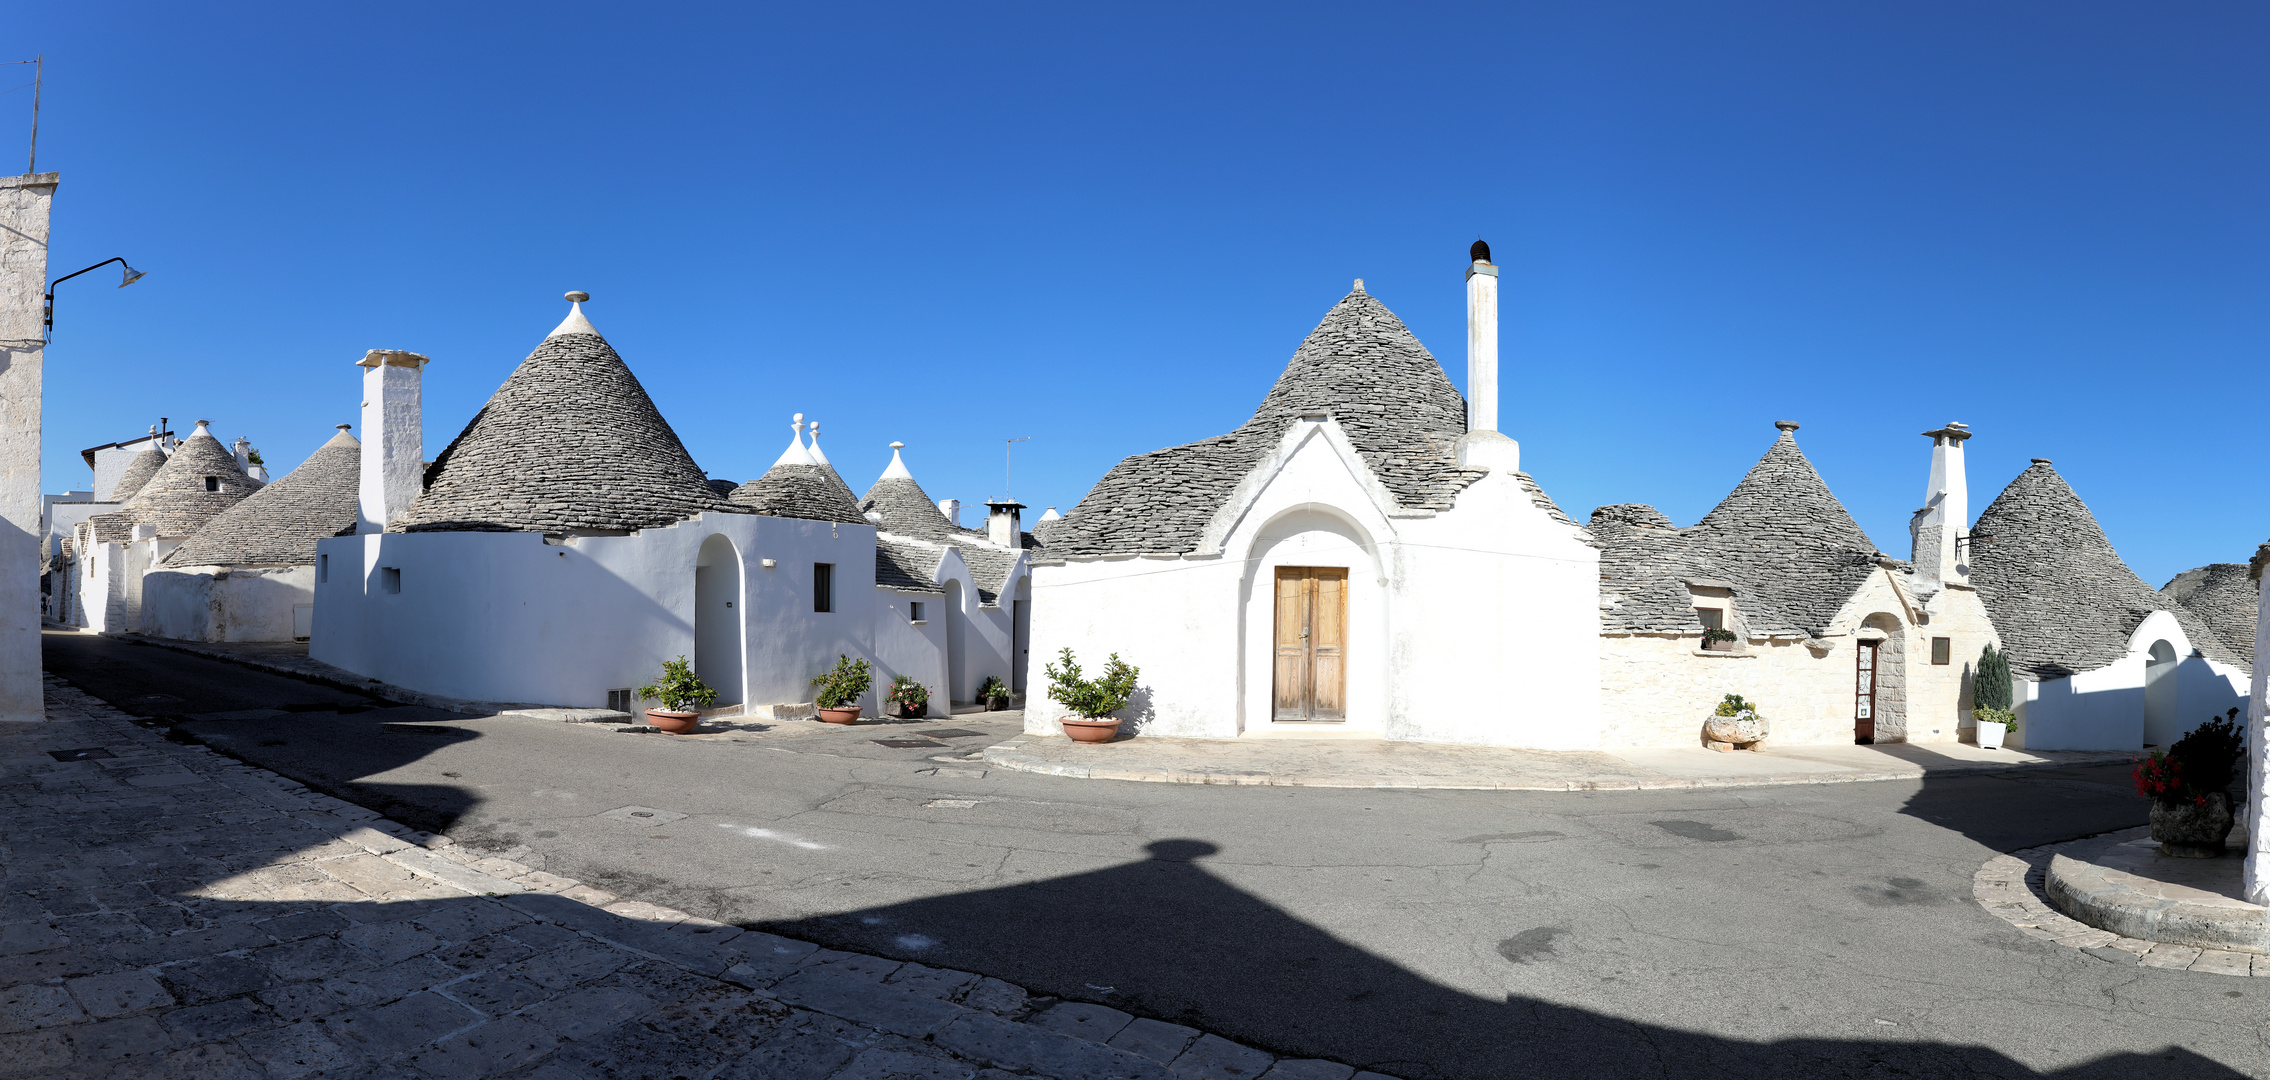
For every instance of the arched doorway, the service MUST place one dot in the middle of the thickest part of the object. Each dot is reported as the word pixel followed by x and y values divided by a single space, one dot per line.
pixel 2162 726
pixel 957 628
pixel 1879 708
pixel 718 618
pixel 1021 634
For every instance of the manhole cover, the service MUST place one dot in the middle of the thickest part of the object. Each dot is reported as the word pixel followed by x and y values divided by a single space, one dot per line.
pixel 951 733
pixel 88 754
pixel 909 744
pixel 643 815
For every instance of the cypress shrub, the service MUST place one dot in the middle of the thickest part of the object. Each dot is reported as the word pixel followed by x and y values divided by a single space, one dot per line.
pixel 1990 687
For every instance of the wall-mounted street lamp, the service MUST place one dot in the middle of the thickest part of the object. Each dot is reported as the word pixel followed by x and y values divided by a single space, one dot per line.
pixel 130 276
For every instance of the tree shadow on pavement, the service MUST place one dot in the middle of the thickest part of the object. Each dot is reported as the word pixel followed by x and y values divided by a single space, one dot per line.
pixel 1169 940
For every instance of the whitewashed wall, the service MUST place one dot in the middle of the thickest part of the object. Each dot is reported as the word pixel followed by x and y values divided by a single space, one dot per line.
pixel 509 617
pixel 220 603
pixel 1444 610
pixel 906 647
pixel 25 202
pixel 2103 709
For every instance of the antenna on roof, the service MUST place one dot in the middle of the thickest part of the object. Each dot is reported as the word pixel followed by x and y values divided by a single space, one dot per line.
pixel 1005 464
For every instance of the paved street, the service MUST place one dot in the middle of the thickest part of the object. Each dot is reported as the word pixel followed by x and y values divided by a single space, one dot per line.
pixel 1798 931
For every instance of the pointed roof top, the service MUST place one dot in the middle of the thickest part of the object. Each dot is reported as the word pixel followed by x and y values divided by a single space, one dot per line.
pixel 796 454
pixel 897 467
pixel 2224 598
pixel 1362 367
pixel 799 490
pixel 138 472
pixel 279 524
pixel 195 484
pixel 575 323
pixel 907 509
pixel 2059 595
pixel 1782 536
pixel 820 458
pixel 570 442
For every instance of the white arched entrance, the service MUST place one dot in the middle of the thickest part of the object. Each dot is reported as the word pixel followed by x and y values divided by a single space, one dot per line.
pixel 1021 633
pixel 958 689
pixel 718 618
pixel 2162 725
pixel 1314 628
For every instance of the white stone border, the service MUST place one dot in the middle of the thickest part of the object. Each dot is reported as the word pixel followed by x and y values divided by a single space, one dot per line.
pixel 2010 887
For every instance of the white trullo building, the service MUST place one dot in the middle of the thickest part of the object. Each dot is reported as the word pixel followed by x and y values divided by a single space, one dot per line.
pixel 112 551
pixel 1833 641
pixel 975 582
pixel 565 545
pixel 249 573
pixel 2100 660
pixel 1362 556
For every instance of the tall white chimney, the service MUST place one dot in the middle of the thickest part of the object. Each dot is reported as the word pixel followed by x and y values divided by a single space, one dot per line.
pixel 952 508
pixel 394 465
pixel 1481 341
pixel 1002 524
pixel 1943 524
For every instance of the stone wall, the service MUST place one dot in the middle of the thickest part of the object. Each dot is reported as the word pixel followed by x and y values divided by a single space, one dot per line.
pixel 24 204
pixel 1657 689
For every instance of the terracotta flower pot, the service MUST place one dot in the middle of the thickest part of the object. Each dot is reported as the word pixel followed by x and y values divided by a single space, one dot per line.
pixel 1089 730
pixel 846 715
pixel 676 723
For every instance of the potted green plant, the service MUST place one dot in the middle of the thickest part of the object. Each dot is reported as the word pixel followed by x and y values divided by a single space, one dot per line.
pixel 994 693
pixel 1990 698
pixel 841 687
pixel 1092 701
pixel 1735 724
pixel 2189 788
pixel 1717 640
pixel 677 689
pixel 908 699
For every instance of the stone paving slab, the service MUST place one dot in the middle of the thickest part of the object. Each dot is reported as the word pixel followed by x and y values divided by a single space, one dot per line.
pixel 1378 763
pixel 232 923
pixel 2015 889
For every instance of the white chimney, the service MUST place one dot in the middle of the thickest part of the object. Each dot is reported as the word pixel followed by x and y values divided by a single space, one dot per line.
pixel 1942 526
pixel 952 508
pixel 394 466
pixel 1481 340
pixel 242 448
pixel 1002 525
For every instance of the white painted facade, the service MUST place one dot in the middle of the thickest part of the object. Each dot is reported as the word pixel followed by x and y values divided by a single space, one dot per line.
pixel 228 603
pixel 2254 817
pixel 1476 625
pixel 2162 688
pixel 25 202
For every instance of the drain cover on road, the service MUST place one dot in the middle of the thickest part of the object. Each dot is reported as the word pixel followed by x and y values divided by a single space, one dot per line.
pixel 951 733
pixel 644 815
pixel 88 754
pixel 909 744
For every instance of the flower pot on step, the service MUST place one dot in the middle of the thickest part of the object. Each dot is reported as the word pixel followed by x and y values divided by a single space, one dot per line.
pixel 1095 731
pixel 2193 830
pixel 1990 734
pixel 997 703
pixel 900 711
pixel 848 715
pixel 672 721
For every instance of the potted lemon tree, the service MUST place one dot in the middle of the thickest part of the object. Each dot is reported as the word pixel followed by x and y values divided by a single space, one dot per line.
pixel 681 693
pixel 841 687
pixel 1092 701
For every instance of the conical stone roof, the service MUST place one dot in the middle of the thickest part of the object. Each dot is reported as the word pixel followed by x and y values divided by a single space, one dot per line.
pixel 138 472
pixel 907 509
pixel 1361 365
pixel 1646 564
pixel 571 442
pixel 799 490
pixel 1787 543
pixel 198 481
pixel 279 524
pixel 2224 598
pixel 2059 595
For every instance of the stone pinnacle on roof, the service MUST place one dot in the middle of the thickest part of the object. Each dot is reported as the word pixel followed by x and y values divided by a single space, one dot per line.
pixel 897 467
pixel 907 509
pixel 280 524
pixel 820 458
pixel 571 442
pixel 796 454
pixel 1783 536
pixel 799 487
pixel 575 323
pixel 198 481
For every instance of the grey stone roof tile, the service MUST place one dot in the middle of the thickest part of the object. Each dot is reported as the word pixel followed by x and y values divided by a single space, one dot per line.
pixel 908 510
pixel 1788 543
pixel 2222 597
pixel 176 499
pixel 571 442
pixel 1645 566
pixel 799 491
pixel 138 472
pixel 1362 366
pixel 907 565
pixel 2059 595
pixel 279 524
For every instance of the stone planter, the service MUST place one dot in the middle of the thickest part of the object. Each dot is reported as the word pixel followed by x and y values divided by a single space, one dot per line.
pixel 676 723
pixel 2193 830
pixel 1734 732
pixel 898 711
pixel 847 715
pixel 1095 731
pixel 997 703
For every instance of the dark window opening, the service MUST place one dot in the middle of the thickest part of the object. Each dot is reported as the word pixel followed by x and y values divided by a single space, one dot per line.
pixel 322 569
pixel 1715 638
pixel 914 610
pixel 823 586
pixel 212 483
pixel 390 579
pixel 1942 650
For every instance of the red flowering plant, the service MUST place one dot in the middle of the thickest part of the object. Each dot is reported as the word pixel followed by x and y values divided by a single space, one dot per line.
pixel 2160 779
pixel 2198 765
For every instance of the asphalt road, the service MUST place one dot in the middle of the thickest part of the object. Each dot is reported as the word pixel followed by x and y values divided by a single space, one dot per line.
pixel 1797 931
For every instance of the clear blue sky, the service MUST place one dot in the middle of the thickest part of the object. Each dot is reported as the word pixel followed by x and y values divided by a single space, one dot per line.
pixel 1108 230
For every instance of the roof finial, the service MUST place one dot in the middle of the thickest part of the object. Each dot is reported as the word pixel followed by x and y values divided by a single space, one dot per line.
pixel 2041 461
pixel 344 427
pixel 1359 285
pixel 575 323
pixel 796 454
pixel 1788 427
pixel 1480 252
pixel 897 466
pixel 819 457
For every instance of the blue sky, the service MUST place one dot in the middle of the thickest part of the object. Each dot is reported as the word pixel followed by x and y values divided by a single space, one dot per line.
pixel 1107 229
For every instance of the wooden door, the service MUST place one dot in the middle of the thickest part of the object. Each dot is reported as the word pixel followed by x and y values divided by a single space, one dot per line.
pixel 1311 644
pixel 1864 709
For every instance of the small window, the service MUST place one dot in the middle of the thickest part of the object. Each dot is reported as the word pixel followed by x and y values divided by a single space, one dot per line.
pixel 1942 650
pixel 390 579
pixel 1714 619
pixel 914 610
pixel 212 483
pixel 322 569
pixel 619 699
pixel 823 586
